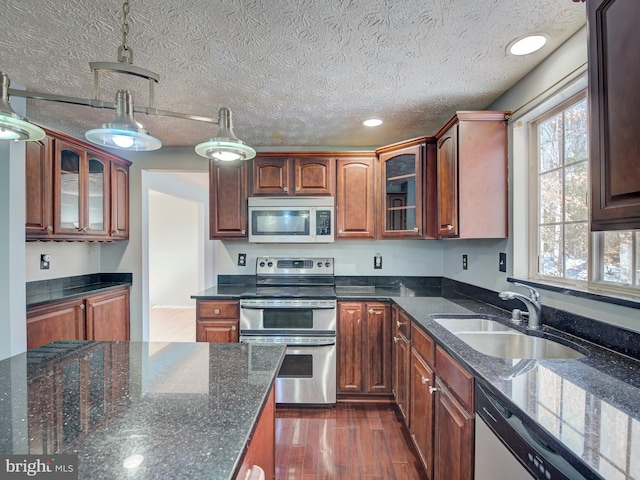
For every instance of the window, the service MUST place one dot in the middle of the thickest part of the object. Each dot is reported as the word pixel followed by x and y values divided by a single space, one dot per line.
pixel 566 250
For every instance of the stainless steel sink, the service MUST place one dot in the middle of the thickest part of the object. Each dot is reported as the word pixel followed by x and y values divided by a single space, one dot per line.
pixel 498 340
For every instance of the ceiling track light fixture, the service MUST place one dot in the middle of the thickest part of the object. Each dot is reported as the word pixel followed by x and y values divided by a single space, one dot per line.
pixel 123 132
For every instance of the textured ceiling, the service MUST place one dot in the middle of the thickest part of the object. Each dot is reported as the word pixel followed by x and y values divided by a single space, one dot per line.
pixel 297 72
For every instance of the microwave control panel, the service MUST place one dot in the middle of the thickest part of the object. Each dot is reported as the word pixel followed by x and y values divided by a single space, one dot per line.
pixel 323 222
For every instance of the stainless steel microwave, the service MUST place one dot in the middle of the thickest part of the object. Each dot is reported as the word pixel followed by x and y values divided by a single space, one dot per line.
pixel 291 219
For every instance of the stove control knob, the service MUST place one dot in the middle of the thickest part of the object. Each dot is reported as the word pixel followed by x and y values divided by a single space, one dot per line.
pixel 319 264
pixel 270 264
pixel 262 264
pixel 328 264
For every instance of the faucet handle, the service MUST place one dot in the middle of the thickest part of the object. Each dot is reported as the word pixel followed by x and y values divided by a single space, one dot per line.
pixel 533 293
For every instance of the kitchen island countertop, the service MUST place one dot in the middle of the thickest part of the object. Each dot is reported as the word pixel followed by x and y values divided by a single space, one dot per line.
pixel 184 410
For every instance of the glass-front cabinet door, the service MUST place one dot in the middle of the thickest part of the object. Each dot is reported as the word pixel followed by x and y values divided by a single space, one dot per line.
pixel 81 188
pixel 402 192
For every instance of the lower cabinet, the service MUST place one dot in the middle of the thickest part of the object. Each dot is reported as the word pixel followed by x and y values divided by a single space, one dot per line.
pixel 101 316
pixel 401 351
pixel 364 348
pixel 261 451
pixel 442 405
pixel 217 321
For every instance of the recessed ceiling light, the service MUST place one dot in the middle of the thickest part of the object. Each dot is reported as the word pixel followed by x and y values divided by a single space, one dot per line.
pixel 372 122
pixel 527 45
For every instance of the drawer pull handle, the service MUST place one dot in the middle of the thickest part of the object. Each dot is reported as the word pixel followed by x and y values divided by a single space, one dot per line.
pixel 424 381
pixel 371 311
pixel 433 389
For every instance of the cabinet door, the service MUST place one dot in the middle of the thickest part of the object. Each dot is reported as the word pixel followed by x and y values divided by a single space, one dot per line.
pixel 57 321
pixel 422 410
pixel 108 316
pixel 350 336
pixel 271 176
pixel 401 195
pixel 228 187
pixel 355 198
pixel 96 199
pixel 314 176
pixel 614 114
pixel 401 358
pixel 39 215
pixel 69 217
pixel 448 183
pixel 119 201
pixel 217 331
pixel 378 354
pixel 453 437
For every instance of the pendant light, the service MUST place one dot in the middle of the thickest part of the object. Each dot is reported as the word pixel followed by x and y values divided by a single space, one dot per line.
pixel 123 132
pixel 225 146
pixel 12 125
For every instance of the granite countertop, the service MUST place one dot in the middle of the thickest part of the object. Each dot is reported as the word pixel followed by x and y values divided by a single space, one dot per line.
pixel 186 410
pixel 46 291
pixel 589 406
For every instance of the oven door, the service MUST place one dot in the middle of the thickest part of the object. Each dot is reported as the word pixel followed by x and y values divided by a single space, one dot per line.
pixel 308 371
pixel 288 317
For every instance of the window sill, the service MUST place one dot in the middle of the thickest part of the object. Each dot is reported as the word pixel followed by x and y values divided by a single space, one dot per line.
pixel 575 291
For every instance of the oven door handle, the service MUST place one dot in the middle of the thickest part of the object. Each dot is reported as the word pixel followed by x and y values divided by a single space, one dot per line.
pixel 281 307
pixel 293 343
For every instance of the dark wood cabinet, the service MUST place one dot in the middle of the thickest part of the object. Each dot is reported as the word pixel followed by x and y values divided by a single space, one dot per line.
pixel 107 316
pixel 56 321
pixel 119 200
pixel 75 192
pixel 300 175
pixel 614 112
pixel 401 351
pixel 441 410
pixel 228 192
pixel 39 212
pixel 472 176
pixel 355 197
pixel 364 348
pixel 217 321
pixel 101 316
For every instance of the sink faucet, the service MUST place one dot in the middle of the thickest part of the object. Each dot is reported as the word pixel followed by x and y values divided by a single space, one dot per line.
pixel 532 302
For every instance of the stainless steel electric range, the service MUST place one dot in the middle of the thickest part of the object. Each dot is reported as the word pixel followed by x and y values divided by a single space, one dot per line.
pixel 295 304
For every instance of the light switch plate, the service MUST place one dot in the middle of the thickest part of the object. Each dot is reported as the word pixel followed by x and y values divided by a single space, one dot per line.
pixel 242 259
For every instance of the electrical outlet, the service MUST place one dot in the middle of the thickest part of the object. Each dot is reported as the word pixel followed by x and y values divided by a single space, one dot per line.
pixel 45 261
pixel 242 259
pixel 377 262
pixel 465 262
pixel 502 263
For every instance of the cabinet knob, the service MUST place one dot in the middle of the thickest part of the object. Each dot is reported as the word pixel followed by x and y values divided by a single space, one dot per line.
pixel 243 232
pixel 81 306
pixel 371 311
pixel 115 232
pixel 286 189
pixel 233 328
pixel 433 389
pixel 216 311
pixel 49 228
pixel 449 226
pixel 415 229
pixel 396 339
pixel 399 323
pixel 425 381
pixel 297 189
pixel 339 232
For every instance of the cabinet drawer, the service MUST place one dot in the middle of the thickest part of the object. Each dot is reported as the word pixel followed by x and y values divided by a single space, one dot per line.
pixel 424 344
pixel 460 381
pixel 218 309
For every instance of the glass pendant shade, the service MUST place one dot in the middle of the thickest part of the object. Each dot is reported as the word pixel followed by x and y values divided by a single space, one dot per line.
pixel 123 132
pixel 225 146
pixel 12 125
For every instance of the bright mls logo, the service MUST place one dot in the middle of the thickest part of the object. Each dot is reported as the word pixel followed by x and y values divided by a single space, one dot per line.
pixel 51 467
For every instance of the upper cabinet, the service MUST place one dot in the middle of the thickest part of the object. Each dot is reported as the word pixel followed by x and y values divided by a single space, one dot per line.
pixel 228 190
pixel 355 197
pixel 75 192
pixel 472 176
pixel 280 175
pixel 614 114
pixel 403 189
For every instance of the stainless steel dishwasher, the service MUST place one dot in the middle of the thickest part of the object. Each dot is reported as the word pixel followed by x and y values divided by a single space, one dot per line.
pixel 507 450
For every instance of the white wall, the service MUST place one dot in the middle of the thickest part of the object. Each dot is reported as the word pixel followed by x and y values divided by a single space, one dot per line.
pixel 67 259
pixel 174 252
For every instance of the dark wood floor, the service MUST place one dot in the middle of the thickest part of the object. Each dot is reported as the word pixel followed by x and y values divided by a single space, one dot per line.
pixel 345 442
